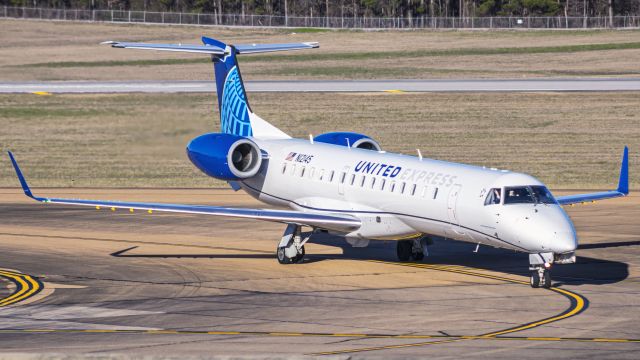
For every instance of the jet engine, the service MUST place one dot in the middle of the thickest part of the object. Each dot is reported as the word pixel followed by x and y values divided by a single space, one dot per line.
pixel 351 139
pixel 225 156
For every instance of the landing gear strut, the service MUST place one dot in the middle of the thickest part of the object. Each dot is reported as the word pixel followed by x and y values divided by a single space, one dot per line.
pixel 411 249
pixel 540 266
pixel 291 247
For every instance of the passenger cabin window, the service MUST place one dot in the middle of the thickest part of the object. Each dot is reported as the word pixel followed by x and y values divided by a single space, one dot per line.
pixel 413 190
pixel 435 193
pixel 493 197
pixel 373 182
pixel 331 176
pixel 284 168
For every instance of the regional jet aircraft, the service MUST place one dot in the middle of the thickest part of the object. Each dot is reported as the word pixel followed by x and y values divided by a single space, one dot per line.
pixel 344 183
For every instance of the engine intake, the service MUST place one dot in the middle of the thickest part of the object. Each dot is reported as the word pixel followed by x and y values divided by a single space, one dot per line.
pixel 225 156
pixel 351 139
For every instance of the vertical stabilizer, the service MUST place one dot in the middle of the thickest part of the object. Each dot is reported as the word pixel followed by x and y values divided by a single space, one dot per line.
pixel 232 97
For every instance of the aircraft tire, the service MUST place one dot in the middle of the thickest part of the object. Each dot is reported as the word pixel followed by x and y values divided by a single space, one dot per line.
pixel 535 279
pixel 403 249
pixel 300 256
pixel 282 258
pixel 547 280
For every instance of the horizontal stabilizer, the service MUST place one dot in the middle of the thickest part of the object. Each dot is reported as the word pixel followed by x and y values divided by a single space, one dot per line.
pixel 213 47
pixel 622 190
pixel 262 48
pixel 199 49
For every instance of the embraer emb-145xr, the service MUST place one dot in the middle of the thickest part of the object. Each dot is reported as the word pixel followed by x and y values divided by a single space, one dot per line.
pixel 345 184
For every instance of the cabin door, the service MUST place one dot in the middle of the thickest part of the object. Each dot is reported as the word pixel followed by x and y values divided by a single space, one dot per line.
pixel 452 210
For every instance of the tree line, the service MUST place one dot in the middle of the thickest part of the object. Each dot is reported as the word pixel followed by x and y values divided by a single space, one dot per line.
pixel 357 8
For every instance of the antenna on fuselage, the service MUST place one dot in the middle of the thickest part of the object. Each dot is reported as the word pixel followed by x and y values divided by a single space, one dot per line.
pixel 311 138
pixel 348 143
pixel 419 154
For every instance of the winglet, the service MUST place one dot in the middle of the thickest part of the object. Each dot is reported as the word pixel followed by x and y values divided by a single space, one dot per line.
pixel 623 182
pixel 23 182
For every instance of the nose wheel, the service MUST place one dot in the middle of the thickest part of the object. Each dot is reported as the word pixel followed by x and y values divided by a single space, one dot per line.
pixel 541 277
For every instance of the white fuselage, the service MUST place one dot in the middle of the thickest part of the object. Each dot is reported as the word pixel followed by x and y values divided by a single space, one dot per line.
pixel 399 196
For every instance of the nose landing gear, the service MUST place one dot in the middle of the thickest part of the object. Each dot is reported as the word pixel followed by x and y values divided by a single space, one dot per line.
pixel 541 277
pixel 540 266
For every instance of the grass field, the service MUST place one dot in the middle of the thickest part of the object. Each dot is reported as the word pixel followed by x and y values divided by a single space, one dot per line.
pixel 568 140
pixel 34 50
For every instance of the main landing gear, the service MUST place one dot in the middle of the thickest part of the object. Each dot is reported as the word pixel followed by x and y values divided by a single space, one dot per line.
pixel 540 267
pixel 291 247
pixel 411 249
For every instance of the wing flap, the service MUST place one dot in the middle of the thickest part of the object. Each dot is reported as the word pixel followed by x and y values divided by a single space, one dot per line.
pixel 329 221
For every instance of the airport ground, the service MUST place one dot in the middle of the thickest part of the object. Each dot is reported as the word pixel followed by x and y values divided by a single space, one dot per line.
pixel 160 284
pixel 82 281
pixel 568 140
pixel 42 50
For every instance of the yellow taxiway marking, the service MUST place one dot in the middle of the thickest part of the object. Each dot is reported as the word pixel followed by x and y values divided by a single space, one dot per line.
pixel 394 91
pixel 42 93
pixel 438 338
pixel 26 287
pixel 577 305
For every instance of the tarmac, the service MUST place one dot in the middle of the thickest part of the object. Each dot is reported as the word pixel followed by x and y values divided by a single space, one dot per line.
pixel 459 85
pixel 102 282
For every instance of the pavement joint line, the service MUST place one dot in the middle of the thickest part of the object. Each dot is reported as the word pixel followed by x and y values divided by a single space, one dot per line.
pixel 27 286
pixel 577 305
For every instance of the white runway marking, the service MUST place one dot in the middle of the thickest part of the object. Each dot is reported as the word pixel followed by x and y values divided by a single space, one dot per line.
pixel 480 85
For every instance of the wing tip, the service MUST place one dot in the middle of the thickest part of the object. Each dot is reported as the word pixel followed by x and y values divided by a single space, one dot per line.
pixel 23 182
pixel 623 181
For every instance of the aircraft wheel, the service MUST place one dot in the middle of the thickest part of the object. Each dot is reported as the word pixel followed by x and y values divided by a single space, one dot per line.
pixel 535 279
pixel 282 257
pixel 418 256
pixel 403 249
pixel 300 256
pixel 547 280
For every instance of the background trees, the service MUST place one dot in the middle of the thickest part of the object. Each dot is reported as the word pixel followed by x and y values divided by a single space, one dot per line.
pixel 358 8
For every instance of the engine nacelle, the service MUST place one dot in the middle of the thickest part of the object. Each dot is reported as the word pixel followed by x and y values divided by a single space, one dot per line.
pixel 352 139
pixel 225 156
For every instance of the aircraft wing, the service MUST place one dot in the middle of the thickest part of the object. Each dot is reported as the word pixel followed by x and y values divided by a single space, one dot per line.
pixel 622 190
pixel 329 221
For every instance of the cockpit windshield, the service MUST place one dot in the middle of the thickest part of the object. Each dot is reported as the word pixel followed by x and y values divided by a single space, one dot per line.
pixel 528 195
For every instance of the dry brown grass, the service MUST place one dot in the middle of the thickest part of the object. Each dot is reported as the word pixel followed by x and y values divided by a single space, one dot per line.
pixel 568 140
pixel 24 43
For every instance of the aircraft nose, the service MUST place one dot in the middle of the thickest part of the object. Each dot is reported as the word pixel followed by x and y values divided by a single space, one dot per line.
pixel 564 241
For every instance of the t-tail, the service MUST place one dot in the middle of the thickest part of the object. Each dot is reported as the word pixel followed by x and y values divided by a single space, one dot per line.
pixel 236 116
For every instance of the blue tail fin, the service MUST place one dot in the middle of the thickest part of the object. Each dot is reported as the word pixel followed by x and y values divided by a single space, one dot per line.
pixel 232 97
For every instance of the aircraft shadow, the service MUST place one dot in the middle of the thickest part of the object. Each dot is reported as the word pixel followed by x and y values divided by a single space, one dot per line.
pixel 586 270
pixel 125 254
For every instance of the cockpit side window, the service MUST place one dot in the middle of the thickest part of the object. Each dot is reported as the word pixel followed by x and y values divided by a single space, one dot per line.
pixel 493 197
pixel 518 195
pixel 543 195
